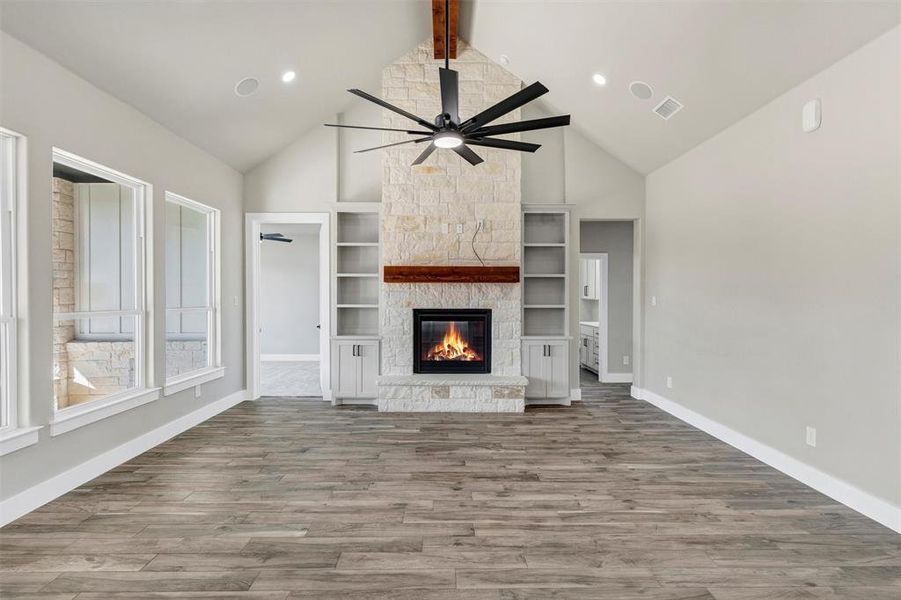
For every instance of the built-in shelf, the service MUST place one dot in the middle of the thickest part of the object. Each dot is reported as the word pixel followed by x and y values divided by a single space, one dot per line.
pixel 545 272
pixel 357 267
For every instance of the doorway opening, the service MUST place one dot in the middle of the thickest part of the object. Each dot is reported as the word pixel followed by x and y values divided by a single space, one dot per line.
pixel 607 298
pixel 288 306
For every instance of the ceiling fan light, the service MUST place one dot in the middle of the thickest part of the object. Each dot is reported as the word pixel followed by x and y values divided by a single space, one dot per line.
pixel 447 139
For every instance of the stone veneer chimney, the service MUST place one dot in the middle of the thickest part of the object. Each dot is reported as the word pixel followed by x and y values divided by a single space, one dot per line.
pixel 418 201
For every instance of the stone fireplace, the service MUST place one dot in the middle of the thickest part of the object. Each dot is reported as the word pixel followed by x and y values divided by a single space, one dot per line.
pixel 445 212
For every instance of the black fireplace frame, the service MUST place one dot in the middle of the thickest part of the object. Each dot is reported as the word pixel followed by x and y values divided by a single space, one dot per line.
pixel 450 314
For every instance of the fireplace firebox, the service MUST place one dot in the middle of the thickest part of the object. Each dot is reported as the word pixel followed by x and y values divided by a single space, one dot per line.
pixel 451 340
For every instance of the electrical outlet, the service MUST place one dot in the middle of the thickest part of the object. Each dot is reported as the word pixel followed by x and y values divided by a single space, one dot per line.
pixel 811 436
pixel 653 300
pixel 235 301
pixel 459 227
pixel 669 382
pixel 626 361
pixel 480 224
pixel 197 391
pixel 445 228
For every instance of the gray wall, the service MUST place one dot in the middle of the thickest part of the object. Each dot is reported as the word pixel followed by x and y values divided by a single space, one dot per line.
pixel 53 107
pixel 290 291
pixel 775 258
pixel 616 239
pixel 320 168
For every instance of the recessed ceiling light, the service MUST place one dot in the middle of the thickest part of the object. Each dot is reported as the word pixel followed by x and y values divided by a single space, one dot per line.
pixel 599 79
pixel 289 76
pixel 247 86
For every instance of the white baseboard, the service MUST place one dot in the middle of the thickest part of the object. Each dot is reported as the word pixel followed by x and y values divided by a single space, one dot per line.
pixel 851 496
pixel 288 357
pixel 42 493
pixel 616 378
pixel 575 395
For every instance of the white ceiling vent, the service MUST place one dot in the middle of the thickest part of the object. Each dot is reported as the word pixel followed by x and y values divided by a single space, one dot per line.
pixel 667 108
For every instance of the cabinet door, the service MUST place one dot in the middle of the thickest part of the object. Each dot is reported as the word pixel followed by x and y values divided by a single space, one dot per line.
pixel 583 278
pixel 533 354
pixel 344 370
pixel 557 370
pixel 592 279
pixel 368 359
pixel 584 349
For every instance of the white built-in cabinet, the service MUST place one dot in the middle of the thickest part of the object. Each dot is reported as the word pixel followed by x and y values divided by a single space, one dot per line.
pixel 355 367
pixel 546 365
pixel 545 302
pixel 356 260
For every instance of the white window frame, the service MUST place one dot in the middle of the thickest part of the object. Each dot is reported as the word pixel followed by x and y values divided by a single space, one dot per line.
pixel 213 369
pixel 13 434
pixel 73 417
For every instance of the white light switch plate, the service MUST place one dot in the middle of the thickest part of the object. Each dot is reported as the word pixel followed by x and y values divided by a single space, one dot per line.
pixel 811 436
pixel 669 382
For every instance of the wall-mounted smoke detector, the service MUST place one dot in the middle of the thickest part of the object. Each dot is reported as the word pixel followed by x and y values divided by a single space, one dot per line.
pixel 667 108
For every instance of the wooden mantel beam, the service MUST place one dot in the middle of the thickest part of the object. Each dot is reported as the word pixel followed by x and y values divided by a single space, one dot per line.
pixel 438 17
pixel 450 274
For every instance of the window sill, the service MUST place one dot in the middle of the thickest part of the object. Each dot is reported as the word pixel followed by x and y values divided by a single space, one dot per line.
pixel 71 418
pixel 192 379
pixel 16 439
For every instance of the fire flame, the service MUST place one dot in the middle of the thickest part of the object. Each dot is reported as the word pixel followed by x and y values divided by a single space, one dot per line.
pixel 453 347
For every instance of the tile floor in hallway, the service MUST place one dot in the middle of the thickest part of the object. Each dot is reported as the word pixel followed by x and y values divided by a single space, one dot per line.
pixel 288 498
pixel 290 379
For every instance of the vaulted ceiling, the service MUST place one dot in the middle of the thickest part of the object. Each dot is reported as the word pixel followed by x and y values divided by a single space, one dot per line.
pixel 178 61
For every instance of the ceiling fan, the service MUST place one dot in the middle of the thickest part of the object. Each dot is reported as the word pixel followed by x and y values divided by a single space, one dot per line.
pixel 449 131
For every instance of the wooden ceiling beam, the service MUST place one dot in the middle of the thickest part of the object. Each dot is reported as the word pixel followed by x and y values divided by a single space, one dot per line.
pixel 438 17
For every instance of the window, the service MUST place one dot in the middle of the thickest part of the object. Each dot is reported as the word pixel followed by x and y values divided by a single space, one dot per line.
pixel 12 435
pixel 192 293
pixel 99 307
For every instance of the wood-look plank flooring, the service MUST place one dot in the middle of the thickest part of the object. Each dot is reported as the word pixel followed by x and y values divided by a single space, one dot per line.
pixel 610 498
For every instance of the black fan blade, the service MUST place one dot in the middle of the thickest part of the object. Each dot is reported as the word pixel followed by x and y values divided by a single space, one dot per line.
pixel 523 96
pixel 393 108
pixel 389 145
pixel 411 132
pixel 450 94
pixel 467 153
pixel 530 125
pixel 505 144
pixel 425 154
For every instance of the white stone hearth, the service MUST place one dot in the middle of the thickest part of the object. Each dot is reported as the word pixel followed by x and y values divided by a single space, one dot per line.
pixel 452 393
